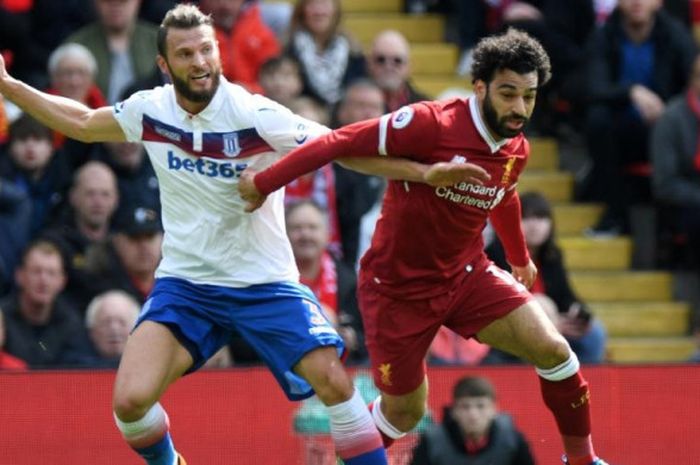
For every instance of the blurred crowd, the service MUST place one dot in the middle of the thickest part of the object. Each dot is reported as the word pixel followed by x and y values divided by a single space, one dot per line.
pixel 80 229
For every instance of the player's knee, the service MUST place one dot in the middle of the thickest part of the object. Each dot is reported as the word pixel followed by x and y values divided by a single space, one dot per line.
pixel 131 405
pixel 405 417
pixel 333 386
pixel 554 352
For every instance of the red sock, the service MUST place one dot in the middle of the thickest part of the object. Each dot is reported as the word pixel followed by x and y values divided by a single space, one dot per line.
pixel 569 401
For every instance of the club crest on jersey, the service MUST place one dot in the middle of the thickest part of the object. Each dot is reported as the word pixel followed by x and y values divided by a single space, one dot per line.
pixel 402 117
pixel 301 134
pixel 231 145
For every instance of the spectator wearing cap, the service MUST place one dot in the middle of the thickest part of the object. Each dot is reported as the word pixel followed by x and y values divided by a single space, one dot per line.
pixel 128 260
pixel 41 329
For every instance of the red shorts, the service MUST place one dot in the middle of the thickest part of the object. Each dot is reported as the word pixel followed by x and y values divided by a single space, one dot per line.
pixel 398 333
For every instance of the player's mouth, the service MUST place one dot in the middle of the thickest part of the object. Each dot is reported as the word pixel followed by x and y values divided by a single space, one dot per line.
pixel 200 78
pixel 515 124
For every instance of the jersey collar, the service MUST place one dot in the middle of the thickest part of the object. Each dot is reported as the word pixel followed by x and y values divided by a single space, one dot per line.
pixel 211 110
pixel 493 144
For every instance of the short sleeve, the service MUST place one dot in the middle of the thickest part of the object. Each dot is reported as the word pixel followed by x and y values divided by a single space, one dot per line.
pixel 281 128
pixel 410 131
pixel 129 115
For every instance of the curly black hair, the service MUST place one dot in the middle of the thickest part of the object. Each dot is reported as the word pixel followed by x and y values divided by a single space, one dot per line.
pixel 514 50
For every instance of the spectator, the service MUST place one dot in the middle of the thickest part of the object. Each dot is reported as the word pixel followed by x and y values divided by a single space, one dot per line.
pixel 562 28
pixel 639 59
pixel 123 45
pixel 15 221
pixel 72 70
pixel 329 58
pixel 136 178
pixel 390 67
pixel 245 42
pixel 331 281
pixel 93 199
pixel 35 169
pixel 570 315
pixel 41 329
pixel 7 361
pixel 675 158
pixel 356 193
pixel 277 16
pixel 449 348
pixel 280 79
pixel 473 431
pixel 109 319
pixel 318 185
pixel 128 260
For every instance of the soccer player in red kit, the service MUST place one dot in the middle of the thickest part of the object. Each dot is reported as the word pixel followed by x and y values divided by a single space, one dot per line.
pixel 426 266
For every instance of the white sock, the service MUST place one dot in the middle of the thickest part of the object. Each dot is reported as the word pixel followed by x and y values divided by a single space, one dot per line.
pixel 382 423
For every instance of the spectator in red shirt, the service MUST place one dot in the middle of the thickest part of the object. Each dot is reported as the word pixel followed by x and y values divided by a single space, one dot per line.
pixel 245 42
pixel 72 71
pixel 331 281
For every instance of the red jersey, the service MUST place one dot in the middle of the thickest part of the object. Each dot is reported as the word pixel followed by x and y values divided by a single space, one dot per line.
pixel 426 235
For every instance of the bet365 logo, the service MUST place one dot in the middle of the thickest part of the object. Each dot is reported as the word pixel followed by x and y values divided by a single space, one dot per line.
pixel 204 167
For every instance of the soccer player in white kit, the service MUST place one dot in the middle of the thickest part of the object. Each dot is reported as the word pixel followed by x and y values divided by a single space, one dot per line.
pixel 222 270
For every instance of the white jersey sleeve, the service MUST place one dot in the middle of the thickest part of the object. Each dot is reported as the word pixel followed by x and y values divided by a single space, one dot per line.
pixel 281 128
pixel 129 114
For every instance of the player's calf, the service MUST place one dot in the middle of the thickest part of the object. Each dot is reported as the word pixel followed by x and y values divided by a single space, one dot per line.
pixel 566 394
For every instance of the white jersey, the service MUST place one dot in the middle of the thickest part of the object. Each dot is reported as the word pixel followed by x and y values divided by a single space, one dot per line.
pixel 198 159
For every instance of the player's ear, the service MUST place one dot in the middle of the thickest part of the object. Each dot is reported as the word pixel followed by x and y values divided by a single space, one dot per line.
pixel 480 88
pixel 163 65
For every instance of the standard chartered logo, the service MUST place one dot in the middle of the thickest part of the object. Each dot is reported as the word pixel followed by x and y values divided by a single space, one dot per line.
pixel 204 167
pixel 466 194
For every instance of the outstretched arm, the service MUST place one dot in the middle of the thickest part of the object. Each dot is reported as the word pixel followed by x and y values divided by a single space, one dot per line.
pixel 365 143
pixel 64 115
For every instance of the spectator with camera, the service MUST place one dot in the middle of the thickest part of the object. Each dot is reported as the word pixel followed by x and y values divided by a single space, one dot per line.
pixel 585 333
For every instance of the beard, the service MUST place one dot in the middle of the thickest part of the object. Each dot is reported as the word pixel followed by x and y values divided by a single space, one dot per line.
pixel 499 125
pixel 204 96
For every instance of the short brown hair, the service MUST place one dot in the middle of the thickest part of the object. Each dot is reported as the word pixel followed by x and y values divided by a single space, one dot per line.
pixel 182 16
pixel 27 126
pixel 473 386
pixel 44 246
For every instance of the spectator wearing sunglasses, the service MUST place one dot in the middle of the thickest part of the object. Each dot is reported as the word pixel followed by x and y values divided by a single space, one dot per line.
pixel 390 68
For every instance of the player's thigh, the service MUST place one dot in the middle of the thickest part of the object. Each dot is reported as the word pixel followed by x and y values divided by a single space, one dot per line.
pixel 398 334
pixel 153 358
pixel 528 333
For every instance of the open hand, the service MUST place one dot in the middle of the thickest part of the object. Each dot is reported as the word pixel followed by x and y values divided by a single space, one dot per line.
pixel 246 187
pixel 450 173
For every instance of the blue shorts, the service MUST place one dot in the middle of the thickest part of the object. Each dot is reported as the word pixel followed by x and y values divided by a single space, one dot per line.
pixel 281 321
